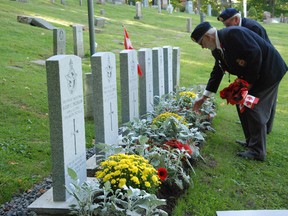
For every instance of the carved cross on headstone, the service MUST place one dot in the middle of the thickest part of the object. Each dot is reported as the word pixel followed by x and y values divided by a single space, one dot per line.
pixel 74 134
pixel 150 94
pixel 134 104
pixel 111 113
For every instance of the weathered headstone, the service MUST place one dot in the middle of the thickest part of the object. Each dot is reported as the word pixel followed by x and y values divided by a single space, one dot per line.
pixel 88 87
pixel 170 8
pixel 145 3
pixel 78 40
pixel 176 68
pixel 66 115
pixel 164 4
pixel 159 6
pixel 129 85
pixel 189 25
pixel 118 2
pixel 59 41
pixel 99 22
pixel 138 11
pixel 202 17
pixel 42 23
pixel 189 7
pixel 102 11
pixel 146 82
pixel 168 74
pixel 105 98
pixel 158 72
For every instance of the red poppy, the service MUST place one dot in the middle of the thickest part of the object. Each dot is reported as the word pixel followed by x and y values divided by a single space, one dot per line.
pixel 176 144
pixel 236 92
pixel 162 173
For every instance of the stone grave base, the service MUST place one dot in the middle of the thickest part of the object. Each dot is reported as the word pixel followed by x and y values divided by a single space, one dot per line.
pixel 253 213
pixel 45 205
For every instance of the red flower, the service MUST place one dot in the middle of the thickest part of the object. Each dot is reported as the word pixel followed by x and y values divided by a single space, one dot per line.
pixel 176 144
pixel 162 173
pixel 236 92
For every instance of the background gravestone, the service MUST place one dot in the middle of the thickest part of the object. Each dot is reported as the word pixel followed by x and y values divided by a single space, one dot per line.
pixel 88 87
pixel 59 41
pixel 146 81
pixel 168 74
pixel 78 40
pixel 176 68
pixel 189 7
pixel 129 85
pixel 158 72
pixel 138 11
pixel 189 25
pixel 66 116
pixel 105 98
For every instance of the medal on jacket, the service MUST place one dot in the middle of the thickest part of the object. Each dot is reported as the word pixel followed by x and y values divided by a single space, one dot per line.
pixel 241 62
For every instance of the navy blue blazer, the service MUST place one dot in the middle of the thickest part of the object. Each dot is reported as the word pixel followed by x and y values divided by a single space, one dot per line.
pixel 249 57
pixel 254 26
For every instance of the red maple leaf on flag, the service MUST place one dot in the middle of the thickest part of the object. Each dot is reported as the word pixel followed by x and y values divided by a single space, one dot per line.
pixel 128 45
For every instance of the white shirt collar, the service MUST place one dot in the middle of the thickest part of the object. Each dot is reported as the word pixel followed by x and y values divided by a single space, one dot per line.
pixel 218 42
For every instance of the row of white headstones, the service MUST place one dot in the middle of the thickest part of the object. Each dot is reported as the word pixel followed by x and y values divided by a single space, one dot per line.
pixel 161 71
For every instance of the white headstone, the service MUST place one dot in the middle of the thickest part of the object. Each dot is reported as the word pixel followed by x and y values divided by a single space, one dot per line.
pixel 105 98
pixel 168 74
pixel 129 85
pixel 66 115
pixel 158 71
pixel 146 82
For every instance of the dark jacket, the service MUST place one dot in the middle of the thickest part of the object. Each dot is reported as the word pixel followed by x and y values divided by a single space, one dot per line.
pixel 249 57
pixel 255 27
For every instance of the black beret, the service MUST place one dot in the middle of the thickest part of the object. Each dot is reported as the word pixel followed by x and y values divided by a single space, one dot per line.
pixel 200 30
pixel 227 13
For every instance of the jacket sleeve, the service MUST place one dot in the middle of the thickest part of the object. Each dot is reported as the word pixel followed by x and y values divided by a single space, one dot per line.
pixel 215 77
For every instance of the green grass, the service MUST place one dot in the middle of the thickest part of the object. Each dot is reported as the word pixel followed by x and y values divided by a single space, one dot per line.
pixel 224 182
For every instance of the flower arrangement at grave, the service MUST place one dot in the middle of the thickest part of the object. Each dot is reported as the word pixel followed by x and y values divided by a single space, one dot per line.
pixel 128 170
pixel 155 154
pixel 181 102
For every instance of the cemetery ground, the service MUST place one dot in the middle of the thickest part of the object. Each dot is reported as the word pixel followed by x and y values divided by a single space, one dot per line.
pixel 222 182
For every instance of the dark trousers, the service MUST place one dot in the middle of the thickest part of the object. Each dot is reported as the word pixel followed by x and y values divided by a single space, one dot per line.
pixel 254 121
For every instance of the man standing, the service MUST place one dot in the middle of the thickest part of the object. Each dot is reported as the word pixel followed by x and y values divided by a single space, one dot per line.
pixel 245 54
pixel 232 17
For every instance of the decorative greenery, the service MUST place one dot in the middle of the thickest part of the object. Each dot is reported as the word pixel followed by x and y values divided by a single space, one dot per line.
pixel 95 198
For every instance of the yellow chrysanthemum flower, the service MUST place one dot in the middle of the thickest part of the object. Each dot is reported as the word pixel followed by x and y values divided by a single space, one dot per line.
pixel 162 117
pixel 131 170
pixel 188 94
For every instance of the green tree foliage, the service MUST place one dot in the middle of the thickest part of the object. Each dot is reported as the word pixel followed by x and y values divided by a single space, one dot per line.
pixel 252 13
pixel 275 7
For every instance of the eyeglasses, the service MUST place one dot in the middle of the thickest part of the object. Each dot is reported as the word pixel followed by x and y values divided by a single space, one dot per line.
pixel 201 40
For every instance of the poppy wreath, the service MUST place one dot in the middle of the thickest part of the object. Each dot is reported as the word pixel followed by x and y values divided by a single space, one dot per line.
pixel 236 92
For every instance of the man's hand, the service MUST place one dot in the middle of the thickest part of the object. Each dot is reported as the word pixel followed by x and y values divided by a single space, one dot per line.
pixel 198 103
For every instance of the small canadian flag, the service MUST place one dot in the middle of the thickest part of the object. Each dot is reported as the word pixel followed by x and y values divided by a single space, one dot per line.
pixel 128 45
pixel 249 102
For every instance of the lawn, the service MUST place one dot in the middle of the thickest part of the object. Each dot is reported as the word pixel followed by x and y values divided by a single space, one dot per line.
pixel 222 182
